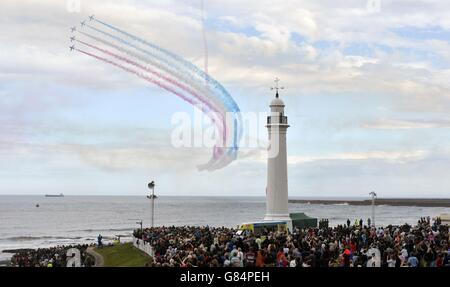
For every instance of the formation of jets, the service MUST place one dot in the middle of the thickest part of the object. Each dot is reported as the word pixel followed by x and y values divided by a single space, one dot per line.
pixel 90 19
pixel 73 29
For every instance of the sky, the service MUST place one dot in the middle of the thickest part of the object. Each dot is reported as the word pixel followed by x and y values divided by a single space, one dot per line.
pixel 366 93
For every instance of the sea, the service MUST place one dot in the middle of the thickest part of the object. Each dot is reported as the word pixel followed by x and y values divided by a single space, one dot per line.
pixel 80 219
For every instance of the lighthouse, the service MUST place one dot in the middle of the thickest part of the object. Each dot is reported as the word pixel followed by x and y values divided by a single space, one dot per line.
pixel 277 177
pixel 277 211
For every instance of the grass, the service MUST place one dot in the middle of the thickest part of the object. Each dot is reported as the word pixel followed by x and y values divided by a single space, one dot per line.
pixel 123 255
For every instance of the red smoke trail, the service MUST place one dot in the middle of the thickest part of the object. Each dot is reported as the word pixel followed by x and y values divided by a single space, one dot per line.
pixel 185 67
pixel 156 82
pixel 172 81
pixel 159 75
pixel 185 78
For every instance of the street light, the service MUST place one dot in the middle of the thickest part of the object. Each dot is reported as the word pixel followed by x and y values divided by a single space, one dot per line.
pixel 139 222
pixel 373 195
pixel 151 186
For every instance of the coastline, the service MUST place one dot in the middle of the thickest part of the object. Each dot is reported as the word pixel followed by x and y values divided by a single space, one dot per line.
pixel 419 202
pixel 79 219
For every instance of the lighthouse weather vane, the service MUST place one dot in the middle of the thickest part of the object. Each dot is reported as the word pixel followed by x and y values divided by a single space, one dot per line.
pixel 277 87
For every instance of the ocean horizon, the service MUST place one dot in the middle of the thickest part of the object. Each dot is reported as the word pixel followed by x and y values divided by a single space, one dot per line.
pixel 323 197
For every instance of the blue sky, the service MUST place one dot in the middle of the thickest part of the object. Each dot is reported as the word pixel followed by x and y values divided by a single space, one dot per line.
pixel 367 96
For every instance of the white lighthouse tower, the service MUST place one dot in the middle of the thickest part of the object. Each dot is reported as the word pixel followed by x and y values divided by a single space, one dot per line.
pixel 277 177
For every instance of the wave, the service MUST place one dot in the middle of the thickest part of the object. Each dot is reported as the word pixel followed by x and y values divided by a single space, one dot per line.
pixel 29 238
pixel 104 230
pixel 34 238
pixel 81 237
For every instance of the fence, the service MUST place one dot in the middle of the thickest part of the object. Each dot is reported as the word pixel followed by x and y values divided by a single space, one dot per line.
pixel 143 246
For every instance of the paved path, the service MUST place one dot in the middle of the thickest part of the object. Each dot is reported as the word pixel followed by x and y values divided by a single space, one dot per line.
pixel 99 261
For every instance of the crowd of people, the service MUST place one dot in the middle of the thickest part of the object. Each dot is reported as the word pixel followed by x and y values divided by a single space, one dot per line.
pixel 348 245
pixel 60 256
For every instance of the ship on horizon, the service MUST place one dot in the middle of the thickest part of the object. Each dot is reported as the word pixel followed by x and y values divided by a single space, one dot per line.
pixel 54 195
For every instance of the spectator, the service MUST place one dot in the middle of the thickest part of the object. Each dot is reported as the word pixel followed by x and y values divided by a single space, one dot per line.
pixel 425 244
pixel 49 257
pixel 99 241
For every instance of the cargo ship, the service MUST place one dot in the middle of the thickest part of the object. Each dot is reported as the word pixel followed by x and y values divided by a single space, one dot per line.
pixel 54 195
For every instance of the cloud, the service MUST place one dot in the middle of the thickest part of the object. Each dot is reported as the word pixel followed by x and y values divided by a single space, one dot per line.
pixel 394 157
pixel 246 60
pixel 424 177
pixel 393 124
pixel 385 156
pixel 339 62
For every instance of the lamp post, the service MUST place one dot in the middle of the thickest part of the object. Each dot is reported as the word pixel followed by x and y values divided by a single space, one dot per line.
pixel 151 186
pixel 374 196
pixel 140 223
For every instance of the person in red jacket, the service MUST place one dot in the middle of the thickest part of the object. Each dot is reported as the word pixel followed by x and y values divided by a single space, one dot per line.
pixel 260 258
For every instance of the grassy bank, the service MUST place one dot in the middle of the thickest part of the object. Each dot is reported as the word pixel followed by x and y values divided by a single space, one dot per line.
pixel 123 255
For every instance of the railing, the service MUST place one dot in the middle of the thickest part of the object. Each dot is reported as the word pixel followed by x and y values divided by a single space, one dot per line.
pixel 276 120
pixel 143 246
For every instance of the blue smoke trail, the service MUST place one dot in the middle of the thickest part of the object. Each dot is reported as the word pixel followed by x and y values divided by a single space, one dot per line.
pixel 224 94
pixel 181 68
pixel 183 77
